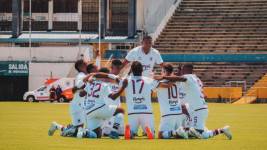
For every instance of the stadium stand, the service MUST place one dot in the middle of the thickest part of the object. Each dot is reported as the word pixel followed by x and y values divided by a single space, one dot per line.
pixel 218 74
pixel 236 26
pixel 220 27
pixel 258 90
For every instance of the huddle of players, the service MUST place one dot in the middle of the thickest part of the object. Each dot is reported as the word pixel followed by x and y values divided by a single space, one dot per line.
pixel 96 111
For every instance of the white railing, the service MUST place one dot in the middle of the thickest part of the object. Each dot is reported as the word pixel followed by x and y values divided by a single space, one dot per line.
pixel 165 20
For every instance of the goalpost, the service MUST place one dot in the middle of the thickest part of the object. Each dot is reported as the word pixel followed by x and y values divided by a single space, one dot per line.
pixel 243 84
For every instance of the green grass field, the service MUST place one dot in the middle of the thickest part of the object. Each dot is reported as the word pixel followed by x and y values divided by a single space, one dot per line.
pixel 24 127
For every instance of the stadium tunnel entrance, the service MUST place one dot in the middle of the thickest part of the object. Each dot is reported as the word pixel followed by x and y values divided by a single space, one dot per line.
pixel 14 76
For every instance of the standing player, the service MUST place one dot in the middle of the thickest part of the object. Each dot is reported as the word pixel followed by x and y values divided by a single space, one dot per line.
pixel 76 111
pixel 170 108
pixel 193 95
pixel 146 55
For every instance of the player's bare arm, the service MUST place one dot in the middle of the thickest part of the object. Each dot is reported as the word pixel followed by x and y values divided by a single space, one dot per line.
pixel 85 79
pixel 171 78
pixel 125 62
pixel 82 93
pixel 165 84
pixel 75 88
pixel 115 95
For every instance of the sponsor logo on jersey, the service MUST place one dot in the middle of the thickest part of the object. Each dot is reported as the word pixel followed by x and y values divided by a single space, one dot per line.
pixel 138 99
pixel 140 107
pixel 146 67
pixel 175 108
pixel 181 95
pixel 88 104
pixel 173 103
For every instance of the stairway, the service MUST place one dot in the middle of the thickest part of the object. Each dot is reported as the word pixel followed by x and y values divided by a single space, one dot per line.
pixel 251 95
pixel 216 26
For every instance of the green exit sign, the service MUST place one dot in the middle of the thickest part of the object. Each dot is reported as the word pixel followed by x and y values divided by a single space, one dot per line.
pixel 14 68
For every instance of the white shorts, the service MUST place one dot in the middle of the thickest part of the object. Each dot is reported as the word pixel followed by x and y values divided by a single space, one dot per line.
pixel 171 122
pixel 76 113
pixel 96 117
pixel 198 119
pixel 108 126
pixel 143 120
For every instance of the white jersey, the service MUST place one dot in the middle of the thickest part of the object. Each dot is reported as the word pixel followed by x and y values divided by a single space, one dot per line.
pixel 79 83
pixel 191 92
pixel 147 60
pixel 97 94
pixel 169 100
pixel 114 87
pixel 138 94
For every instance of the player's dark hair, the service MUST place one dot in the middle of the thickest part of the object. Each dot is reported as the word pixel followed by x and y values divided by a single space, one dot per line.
pixel 78 64
pixel 147 37
pixel 116 62
pixel 188 66
pixel 90 67
pixel 168 67
pixel 136 68
pixel 104 70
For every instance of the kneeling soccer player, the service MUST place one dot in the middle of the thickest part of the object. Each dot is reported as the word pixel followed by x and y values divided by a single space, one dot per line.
pixel 76 111
pixel 138 101
pixel 192 91
pixel 171 111
pixel 97 110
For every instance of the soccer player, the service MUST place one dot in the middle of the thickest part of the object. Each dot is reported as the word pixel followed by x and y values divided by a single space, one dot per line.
pixel 116 66
pixel 97 110
pixel 171 111
pixel 146 55
pixel 138 101
pixel 192 93
pixel 76 111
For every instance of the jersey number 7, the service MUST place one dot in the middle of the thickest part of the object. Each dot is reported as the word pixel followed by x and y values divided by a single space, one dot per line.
pixel 141 81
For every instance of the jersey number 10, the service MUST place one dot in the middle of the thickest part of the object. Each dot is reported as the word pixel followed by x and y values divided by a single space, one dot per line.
pixel 172 92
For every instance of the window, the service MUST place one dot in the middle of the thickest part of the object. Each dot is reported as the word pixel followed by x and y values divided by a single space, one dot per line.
pixel 90 15
pixel 38 6
pixel 6 6
pixel 119 17
pixel 65 6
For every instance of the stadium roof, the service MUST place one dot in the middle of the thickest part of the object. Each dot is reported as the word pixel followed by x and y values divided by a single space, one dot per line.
pixel 62 37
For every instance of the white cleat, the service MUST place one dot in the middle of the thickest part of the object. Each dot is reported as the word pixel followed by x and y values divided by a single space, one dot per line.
pixel 195 133
pixel 80 132
pixel 181 132
pixel 52 129
pixel 227 132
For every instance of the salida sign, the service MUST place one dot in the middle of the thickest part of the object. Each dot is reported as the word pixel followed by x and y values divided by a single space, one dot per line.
pixel 14 68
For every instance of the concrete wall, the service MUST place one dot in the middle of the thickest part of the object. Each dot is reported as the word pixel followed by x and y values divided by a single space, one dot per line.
pixel 39 72
pixel 43 53
pixel 151 12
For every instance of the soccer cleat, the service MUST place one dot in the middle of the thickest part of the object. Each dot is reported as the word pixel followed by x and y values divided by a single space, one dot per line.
pixel 227 132
pixel 91 134
pixel 114 135
pixel 195 133
pixel 149 133
pixel 80 133
pixel 181 132
pixel 52 129
pixel 127 132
